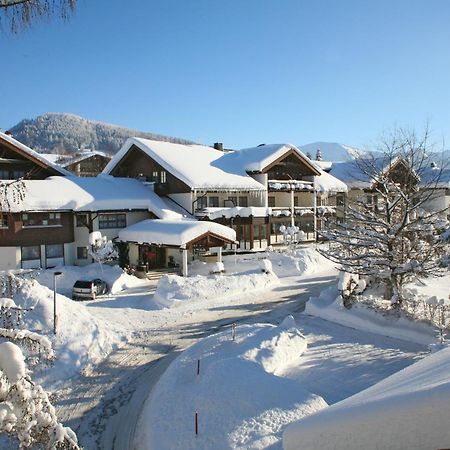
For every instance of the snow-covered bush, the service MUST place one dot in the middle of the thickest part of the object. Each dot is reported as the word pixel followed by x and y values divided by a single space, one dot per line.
pixel 25 409
pixel 266 266
pixel 101 249
pixel 218 268
pixel 26 413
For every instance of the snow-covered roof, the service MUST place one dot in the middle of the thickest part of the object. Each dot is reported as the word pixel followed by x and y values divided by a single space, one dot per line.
pixel 33 154
pixel 436 177
pixel 324 165
pixel 102 193
pixel 352 174
pixel 52 157
pixel 192 164
pixel 84 155
pixel 174 232
pixel 256 159
pixel 328 183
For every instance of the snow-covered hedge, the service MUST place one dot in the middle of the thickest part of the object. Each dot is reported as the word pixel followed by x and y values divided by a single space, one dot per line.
pixel 172 289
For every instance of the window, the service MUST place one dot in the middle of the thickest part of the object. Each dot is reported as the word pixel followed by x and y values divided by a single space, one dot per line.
pixel 271 202
pixel 3 220
pixel 112 221
pixel 82 220
pixel 295 201
pixel 4 174
pixel 243 201
pixel 31 253
pixel 41 219
pixel 54 219
pixel 201 202
pixel 54 251
pixel 82 253
pixel 340 200
pixel 163 176
pixel 18 174
pixel 155 176
pixel 256 235
pixel 233 200
pixel 213 202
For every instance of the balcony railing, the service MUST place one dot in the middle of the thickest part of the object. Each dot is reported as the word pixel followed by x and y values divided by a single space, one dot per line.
pixel 290 185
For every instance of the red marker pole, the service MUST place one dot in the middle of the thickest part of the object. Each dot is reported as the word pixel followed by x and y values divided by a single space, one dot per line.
pixel 196 423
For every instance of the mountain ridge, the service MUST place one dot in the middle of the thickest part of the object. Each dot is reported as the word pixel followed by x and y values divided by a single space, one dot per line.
pixel 66 133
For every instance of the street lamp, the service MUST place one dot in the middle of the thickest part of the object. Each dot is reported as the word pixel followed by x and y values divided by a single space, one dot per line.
pixel 55 274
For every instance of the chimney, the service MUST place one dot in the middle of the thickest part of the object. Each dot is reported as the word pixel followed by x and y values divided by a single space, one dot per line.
pixel 218 146
pixel 9 133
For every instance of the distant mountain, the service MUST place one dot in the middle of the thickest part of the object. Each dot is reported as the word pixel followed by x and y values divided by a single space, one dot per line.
pixel 67 133
pixel 332 151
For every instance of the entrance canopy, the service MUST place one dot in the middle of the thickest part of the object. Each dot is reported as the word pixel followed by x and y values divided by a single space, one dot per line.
pixel 177 233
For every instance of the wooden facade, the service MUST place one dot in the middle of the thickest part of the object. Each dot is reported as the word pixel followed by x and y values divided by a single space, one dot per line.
pixel 17 163
pixel 137 164
pixel 90 166
pixel 16 234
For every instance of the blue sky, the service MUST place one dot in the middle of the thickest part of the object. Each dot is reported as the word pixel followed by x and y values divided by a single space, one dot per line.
pixel 239 71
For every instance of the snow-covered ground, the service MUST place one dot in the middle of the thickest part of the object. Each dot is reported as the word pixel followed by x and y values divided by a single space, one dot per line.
pixel 409 410
pixel 138 340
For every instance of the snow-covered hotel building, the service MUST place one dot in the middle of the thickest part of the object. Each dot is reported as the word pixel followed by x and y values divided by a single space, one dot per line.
pixel 168 202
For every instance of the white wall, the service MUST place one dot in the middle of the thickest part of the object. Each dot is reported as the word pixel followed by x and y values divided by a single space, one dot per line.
pixel 184 200
pixel 9 258
pixel 81 234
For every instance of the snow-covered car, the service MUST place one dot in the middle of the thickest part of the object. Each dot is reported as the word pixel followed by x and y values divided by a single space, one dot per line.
pixel 89 289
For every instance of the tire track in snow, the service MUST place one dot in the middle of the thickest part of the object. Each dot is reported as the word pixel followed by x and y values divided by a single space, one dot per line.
pixel 104 403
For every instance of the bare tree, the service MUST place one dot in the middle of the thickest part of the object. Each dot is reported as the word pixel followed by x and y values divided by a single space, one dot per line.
pixel 390 234
pixel 18 14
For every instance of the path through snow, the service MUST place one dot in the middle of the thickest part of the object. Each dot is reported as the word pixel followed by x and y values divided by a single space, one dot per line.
pixel 104 403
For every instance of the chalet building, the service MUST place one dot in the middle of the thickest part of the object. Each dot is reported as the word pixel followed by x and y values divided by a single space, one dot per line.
pixel 434 182
pixel 88 163
pixel 253 191
pixel 51 224
pixel 19 161
pixel 166 202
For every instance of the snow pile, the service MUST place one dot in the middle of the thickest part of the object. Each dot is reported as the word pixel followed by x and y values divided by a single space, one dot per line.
pixel 409 410
pixel 266 266
pixel 12 362
pixel 329 306
pixel 116 279
pixel 240 401
pixel 299 261
pixel 81 338
pixel 173 289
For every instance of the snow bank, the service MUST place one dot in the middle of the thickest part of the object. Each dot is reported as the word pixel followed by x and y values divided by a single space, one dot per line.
pixel 173 289
pixel 299 261
pixel 116 279
pixel 81 338
pixel 240 401
pixel 409 410
pixel 329 306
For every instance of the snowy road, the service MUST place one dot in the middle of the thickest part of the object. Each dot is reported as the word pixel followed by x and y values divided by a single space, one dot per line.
pixel 104 403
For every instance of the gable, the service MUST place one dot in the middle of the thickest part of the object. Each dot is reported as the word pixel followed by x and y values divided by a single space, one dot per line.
pixel 18 161
pixel 138 164
pixel 290 166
